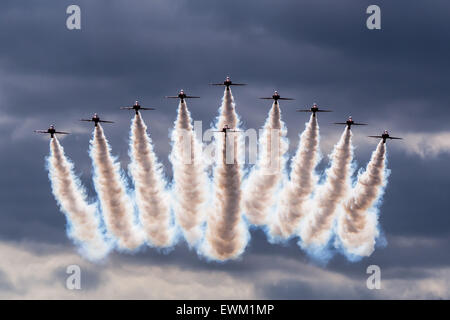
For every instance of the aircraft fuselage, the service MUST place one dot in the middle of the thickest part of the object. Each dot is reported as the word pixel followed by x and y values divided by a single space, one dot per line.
pixel 52 132
pixel 95 120
pixel 275 97
pixel 182 96
pixel 136 108
pixel 227 83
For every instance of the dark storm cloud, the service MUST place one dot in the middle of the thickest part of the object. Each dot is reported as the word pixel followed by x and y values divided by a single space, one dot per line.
pixel 300 45
pixel 311 50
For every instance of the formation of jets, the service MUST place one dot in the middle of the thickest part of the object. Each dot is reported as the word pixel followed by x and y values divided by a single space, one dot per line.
pixel 227 83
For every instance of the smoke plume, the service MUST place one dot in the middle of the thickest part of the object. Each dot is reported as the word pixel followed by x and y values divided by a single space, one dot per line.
pixel 151 198
pixel 190 181
pixel 82 217
pixel 285 206
pixel 316 230
pixel 226 233
pixel 357 226
pixel 294 199
pixel 265 177
pixel 227 111
pixel 116 205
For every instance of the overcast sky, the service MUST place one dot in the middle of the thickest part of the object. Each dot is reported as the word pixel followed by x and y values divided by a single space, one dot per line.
pixel 395 78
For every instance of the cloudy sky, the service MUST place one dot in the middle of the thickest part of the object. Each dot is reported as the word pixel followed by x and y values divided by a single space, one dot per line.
pixel 395 78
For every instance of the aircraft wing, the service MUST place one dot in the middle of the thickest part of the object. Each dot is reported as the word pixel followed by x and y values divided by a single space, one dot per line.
pixel 62 132
pixel 90 120
pixel 379 137
pixel 231 84
pixel 126 108
pixel 320 110
pixel 105 121
pixel 359 124
pixel 340 123
pixel 395 138
pixel 41 131
pixel 191 97
pixel 303 110
pixel 286 99
pixel 147 108
pixel 172 97
pixel 267 98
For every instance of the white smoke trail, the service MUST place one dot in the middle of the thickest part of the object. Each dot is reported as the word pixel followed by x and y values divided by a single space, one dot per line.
pixel 265 177
pixel 317 227
pixel 294 198
pixel 191 184
pixel 226 233
pixel 116 205
pixel 82 217
pixel 151 197
pixel 227 111
pixel 357 226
